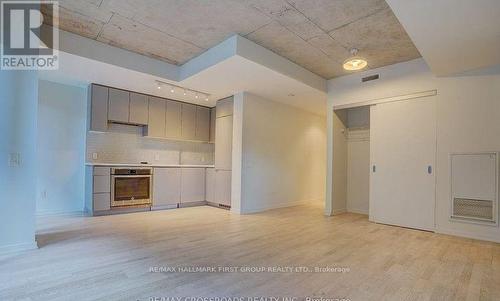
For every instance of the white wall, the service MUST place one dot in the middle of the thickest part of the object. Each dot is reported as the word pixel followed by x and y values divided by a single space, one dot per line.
pixel 60 148
pixel 18 112
pixel 468 120
pixel 283 154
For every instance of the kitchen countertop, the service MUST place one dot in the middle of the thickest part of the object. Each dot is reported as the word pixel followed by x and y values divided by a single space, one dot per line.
pixel 147 165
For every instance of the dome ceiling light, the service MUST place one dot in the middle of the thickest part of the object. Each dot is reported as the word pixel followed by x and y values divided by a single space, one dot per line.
pixel 354 63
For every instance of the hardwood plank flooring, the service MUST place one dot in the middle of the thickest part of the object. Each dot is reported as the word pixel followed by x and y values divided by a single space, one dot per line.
pixel 109 258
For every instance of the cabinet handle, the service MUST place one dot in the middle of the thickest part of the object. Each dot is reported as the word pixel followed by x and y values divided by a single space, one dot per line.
pixel 374 168
pixel 429 169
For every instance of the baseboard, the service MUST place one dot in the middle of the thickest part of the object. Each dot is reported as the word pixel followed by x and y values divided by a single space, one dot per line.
pixel 466 234
pixel 275 206
pixel 18 248
pixel 357 211
pixel 339 211
pixel 61 213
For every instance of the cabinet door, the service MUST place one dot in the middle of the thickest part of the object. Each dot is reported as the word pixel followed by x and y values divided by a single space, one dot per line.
pixel 173 119
pixel 202 123
pixel 225 107
pixel 138 109
pixel 210 185
pixel 223 146
pixel 193 185
pixel 102 184
pixel 188 122
pixel 402 147
pixel 99 108
pixel 119 102
pixel 156 119
pixel 212 124
pixel 166 186
pixel 102 201
pixel 223 187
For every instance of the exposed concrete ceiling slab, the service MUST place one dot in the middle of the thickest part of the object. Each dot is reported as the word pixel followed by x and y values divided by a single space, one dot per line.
pixel 315 34
pixel 333 14
pixel 148 40
pixel 373 34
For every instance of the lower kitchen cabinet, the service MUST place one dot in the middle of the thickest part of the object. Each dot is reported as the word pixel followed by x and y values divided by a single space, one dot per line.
pixel 210 185
pixel 223 187
pixel 192 185
pixel 166 187
pixel 101 201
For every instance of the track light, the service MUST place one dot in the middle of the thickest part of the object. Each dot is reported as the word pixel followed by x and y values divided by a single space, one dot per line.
pixel 172 89
pixel 185 93
pixel 196 96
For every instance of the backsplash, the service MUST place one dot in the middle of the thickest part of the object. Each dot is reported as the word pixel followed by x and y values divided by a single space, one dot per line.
pixel 125 144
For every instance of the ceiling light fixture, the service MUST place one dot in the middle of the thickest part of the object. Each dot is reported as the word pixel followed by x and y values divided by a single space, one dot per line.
pixel 354 62
pixel 185 91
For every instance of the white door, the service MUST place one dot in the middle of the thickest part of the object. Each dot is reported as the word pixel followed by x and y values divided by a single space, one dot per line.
pixel 402 157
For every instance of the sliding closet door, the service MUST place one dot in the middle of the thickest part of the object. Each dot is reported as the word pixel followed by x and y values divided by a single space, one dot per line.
pixel 402 156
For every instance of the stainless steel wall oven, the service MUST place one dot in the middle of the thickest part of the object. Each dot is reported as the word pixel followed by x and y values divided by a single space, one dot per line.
pixel 131 187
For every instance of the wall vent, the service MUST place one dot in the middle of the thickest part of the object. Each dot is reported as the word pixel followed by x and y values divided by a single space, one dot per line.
pixel 369 78
pixel 481 210
pixel 474 187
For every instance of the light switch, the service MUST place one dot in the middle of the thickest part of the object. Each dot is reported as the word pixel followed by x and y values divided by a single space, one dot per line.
pixel 157 157
pixel 14 159
pixel 94 156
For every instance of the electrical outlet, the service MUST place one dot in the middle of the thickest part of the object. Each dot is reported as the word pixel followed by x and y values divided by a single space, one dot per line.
pixel 94 156
pixel 14 159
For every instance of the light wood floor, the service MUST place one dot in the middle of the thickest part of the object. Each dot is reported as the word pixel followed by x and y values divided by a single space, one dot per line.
pixel 109 258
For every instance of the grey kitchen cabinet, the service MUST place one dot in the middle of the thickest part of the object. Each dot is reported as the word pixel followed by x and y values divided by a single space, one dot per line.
pixel 223 187
pixel 98 108
pixel 156 118
pixel 210 185
pixel 188 121
pixel 173 119
pixel 224 141
pixel 138 109
pixel 212 124
pixel 102 184
pixel 102 201
pixel 192 185
pixel 224 107
pixel 202 123
pixel 119 105
pixel 166 186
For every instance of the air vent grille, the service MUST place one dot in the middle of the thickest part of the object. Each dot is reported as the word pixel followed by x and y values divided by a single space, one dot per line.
pixel 369 78
pixel 473 209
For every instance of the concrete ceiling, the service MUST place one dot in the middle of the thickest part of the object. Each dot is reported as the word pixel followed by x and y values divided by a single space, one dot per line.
pixel 454 36
pixel 315 34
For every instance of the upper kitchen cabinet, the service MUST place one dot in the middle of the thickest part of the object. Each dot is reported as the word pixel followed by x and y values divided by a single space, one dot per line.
pixel 173 119
pixel 212 124
pixel 138 109
pixel 156 117
pixel 98 108
pixel 188 121
pixel 224 107
pixel 224 145
pixel 202 123
pixel 119 105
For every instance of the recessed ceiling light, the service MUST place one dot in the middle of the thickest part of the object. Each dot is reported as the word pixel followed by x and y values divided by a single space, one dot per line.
pixel 354 63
